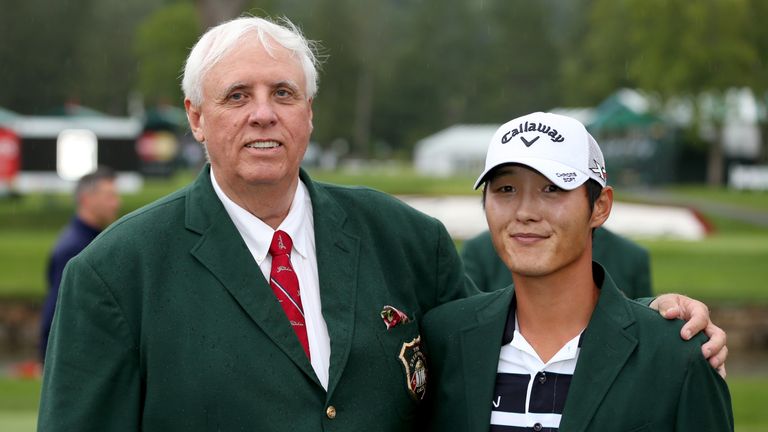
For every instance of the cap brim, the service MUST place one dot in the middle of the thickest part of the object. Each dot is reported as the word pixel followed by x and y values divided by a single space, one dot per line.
pixel 561 175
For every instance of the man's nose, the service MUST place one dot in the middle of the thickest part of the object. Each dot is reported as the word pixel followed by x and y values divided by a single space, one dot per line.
pixel 262 114
pixel 527 208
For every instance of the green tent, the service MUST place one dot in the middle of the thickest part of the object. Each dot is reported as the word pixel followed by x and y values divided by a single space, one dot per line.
pixel 614 115
pixel 638 145
pixel 165 117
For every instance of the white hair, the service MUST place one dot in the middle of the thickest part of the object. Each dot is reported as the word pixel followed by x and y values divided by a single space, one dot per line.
pixel 217 41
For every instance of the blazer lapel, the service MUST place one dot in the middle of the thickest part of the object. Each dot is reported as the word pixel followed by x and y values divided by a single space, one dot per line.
pixel 223 252
pixel 337 251
pixel 606 347
pixel 480 346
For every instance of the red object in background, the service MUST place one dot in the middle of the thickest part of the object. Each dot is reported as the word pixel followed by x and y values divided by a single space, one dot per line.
pixel 157 146
pixel 29 369
pixel 10 155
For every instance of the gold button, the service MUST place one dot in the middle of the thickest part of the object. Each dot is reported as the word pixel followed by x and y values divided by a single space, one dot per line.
pixel 331 412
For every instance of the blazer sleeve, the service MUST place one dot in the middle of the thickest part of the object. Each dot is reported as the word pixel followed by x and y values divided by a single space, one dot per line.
pixel 705 403
pixel 92 384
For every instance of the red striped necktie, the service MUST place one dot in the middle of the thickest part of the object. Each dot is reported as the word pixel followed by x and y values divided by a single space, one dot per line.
pixel 285 284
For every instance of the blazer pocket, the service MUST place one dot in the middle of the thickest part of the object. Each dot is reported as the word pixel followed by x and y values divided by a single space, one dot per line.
pixel 643 428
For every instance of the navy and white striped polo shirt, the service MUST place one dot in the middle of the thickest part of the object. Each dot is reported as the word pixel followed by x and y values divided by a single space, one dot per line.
pixel 530 394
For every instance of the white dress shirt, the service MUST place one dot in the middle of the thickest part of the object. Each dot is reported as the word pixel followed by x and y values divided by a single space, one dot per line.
pixel 299 224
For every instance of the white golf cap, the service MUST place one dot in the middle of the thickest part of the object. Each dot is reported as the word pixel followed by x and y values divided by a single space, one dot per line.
pixel 558 147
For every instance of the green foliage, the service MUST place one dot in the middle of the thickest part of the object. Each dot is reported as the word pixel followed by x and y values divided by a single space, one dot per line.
pixel 690 47
pixel 595 57
pixel 671 47
pixel 54 52
pixel 161 45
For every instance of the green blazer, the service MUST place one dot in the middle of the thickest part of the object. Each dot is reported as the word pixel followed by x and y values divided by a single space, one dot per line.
pixel 165 323
pixel 634 373
pixel 627 262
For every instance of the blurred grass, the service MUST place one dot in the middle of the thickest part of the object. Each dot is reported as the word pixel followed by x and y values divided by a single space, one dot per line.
pixel 725 267
pixel 19 400
pixel 24 257
pixel 756 200
pixel 728 266
pixel 399 181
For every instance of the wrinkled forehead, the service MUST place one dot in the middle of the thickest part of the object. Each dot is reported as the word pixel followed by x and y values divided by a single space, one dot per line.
pixel 252 59
pixel 258 49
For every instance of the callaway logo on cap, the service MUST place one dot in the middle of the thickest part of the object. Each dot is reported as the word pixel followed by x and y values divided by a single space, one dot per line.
pixel 558 147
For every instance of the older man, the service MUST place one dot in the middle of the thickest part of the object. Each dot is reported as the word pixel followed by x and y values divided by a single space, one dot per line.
pixel 254 298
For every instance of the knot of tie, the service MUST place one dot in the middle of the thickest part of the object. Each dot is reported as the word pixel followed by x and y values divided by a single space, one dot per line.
pixel 281 244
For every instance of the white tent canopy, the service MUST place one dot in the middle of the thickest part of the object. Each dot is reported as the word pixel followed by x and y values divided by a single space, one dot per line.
pixel 460 149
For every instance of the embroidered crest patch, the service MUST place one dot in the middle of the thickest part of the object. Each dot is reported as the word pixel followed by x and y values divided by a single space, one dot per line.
pixel 415 364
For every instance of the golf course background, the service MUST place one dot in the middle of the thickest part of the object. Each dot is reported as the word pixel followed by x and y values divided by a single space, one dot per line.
pixel 727 270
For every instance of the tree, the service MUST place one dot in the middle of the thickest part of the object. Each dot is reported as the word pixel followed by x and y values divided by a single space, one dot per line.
pixel 697 50
pixel 105 70
pixel 213 12
pixel 595 52
pixel 162 44
pixel 54 52
pixel 39 43
pixel 693 51
pixel 758 14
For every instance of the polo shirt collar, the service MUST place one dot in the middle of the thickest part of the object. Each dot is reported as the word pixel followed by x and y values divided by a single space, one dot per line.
pixel 598 275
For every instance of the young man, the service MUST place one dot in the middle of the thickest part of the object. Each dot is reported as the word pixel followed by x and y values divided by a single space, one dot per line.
pixel 562 348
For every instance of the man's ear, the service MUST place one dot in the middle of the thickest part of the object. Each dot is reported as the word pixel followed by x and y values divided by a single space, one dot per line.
pixel 602 208
pixel 195 119
pixel 311 115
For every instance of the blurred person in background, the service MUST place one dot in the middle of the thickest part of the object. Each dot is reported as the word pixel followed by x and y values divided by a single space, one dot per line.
pixel 628 263
pixel 96 206
pixel 254 298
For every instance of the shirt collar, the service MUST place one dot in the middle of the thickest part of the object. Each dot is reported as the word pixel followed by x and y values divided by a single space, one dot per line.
pixel 511 325
pixel 257 234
